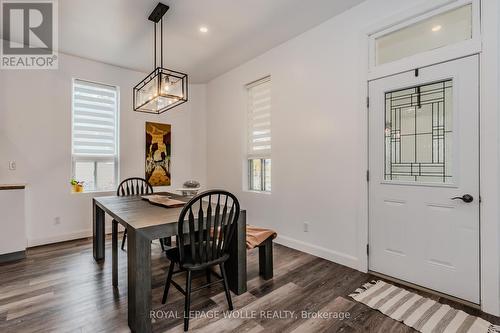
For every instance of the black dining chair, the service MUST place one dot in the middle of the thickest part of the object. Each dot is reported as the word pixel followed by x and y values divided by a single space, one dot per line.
pixel 205 228
pixel 133 186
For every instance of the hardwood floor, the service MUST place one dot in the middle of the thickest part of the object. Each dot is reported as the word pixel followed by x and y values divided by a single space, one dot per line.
pixel 59 288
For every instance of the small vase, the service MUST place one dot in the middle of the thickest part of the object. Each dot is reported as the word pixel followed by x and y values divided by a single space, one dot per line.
pixel 77 188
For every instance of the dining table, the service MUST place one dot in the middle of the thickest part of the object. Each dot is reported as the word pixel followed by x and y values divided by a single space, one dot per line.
pixel 146 222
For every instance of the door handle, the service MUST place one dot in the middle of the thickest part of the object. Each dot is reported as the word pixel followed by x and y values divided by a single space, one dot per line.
pixel 467 198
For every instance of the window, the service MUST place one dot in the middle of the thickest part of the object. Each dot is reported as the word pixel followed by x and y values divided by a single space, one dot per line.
pixel 447 26
pixel 259 135
pixel 418 133
pixel 260 174
pixel 95 135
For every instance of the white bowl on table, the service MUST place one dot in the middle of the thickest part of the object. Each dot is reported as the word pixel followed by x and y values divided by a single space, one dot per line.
pixel 188 191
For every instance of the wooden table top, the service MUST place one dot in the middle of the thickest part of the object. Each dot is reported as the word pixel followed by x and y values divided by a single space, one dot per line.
pixel 139 213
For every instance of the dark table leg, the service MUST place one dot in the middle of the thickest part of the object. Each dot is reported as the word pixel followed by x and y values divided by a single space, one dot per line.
pixel 139 281
pixel 98 232
pixel 236 266
pixel 114 252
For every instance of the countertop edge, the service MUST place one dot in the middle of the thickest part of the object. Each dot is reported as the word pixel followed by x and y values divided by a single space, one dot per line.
pixel 12 187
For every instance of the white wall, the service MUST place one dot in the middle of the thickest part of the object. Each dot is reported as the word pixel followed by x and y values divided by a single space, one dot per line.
pixel 35 131
pixel 319 147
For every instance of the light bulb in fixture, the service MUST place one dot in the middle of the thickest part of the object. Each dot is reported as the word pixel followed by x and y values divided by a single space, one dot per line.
pixel 203 29
pixel 436 28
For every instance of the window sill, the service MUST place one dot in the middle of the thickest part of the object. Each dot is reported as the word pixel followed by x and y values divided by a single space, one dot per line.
pixel 111 192
pixel 258 192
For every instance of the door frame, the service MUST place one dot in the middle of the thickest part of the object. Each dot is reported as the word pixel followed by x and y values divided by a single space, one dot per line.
pixel 476 305
pixel 489 123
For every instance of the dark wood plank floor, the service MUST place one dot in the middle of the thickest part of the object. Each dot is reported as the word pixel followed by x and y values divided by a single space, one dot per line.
pixel 59 288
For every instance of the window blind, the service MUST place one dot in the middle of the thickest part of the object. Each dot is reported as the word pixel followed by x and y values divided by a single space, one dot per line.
pixel 94 119
pixel 259 118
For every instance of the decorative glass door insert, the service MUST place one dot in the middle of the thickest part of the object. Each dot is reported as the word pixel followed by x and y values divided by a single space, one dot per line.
pixel 418 133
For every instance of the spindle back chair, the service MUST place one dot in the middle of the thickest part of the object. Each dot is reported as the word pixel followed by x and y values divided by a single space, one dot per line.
pixel 206 226
pixel 133 186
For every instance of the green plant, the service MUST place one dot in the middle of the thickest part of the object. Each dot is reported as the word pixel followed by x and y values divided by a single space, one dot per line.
pixel 76 182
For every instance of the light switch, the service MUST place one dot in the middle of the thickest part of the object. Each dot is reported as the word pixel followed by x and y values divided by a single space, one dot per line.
pixel 12 165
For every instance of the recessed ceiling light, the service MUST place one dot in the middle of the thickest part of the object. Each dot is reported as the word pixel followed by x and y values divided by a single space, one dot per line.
pixel 204 30
pixel 436 28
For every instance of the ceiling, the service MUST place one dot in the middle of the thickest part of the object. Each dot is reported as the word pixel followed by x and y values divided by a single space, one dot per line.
pixel 118 32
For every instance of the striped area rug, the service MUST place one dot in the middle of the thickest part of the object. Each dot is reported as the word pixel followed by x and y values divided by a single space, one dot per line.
pixel 420 313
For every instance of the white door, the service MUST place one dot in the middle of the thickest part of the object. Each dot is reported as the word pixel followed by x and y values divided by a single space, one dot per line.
pixel 424 177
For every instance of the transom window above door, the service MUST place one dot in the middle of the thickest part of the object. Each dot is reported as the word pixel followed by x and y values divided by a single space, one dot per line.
pixel 436 34
pixel 440 30
pixel 418 133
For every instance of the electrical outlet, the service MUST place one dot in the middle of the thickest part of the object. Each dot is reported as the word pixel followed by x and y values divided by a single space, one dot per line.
pixel 57 220
pixel 12 165
pixel 306 226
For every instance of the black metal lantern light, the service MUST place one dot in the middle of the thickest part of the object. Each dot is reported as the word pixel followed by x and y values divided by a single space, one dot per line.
pixel 163 89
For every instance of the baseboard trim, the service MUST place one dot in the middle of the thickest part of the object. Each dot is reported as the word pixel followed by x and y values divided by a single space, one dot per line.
pixel 335 256
pixel 318 251
pixel 64 237
pixel 12 256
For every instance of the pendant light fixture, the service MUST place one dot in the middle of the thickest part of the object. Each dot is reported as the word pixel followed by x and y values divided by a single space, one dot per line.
pixel 163 89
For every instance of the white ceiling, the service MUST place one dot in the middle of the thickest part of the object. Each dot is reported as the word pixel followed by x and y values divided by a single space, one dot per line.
pixel 118 32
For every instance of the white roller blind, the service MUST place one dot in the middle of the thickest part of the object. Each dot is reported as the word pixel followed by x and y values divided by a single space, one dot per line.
pixel 94 119
pixel 259 118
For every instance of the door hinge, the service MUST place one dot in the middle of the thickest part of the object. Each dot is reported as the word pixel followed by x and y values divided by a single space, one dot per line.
pixel 367 175
pixel 416 72
pixel 367 102
pixel 367 249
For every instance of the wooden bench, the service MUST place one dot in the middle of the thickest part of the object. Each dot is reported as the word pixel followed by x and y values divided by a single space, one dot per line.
pixel 263 239
pixel 265 254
